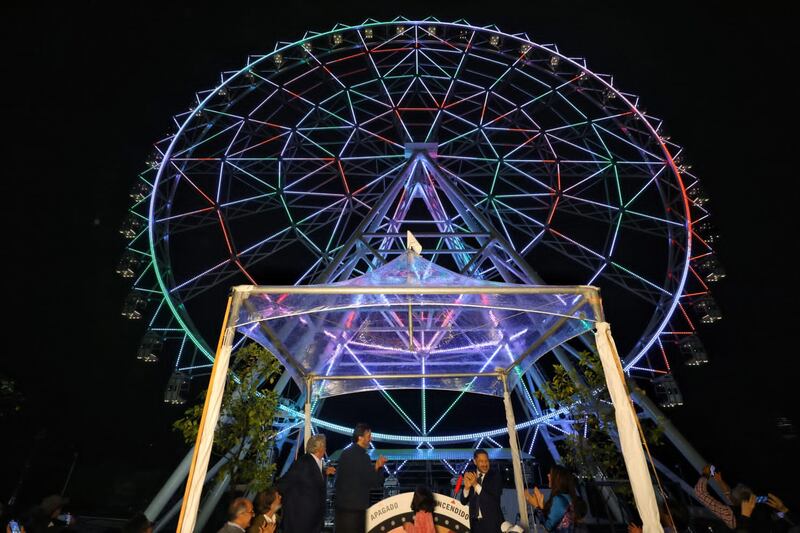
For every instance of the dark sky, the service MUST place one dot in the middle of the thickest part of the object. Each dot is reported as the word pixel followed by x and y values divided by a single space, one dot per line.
pixel 88 91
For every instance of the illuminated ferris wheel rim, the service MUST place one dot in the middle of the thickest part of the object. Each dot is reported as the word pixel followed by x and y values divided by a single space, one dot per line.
pixel 546 418
pixel 181 315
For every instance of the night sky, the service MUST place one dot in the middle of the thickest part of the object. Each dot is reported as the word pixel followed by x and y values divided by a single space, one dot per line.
pixel 89 91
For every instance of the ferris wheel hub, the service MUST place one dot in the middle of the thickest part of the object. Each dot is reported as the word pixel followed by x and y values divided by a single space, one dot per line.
pixel 429 149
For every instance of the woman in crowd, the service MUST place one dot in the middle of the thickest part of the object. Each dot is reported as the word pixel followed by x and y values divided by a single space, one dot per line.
pixel 558 512
pixel 422 504
pixel 266 506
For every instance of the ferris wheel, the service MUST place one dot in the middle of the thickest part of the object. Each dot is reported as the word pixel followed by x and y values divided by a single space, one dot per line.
pixel 304 167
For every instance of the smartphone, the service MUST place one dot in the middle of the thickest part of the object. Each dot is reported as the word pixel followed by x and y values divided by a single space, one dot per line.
pixel 712 471
pixel 762 499
pixel 13 525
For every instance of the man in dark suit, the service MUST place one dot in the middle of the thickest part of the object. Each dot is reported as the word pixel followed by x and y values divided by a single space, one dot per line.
pixel 483 487
pixel 304 490
pixel 356 476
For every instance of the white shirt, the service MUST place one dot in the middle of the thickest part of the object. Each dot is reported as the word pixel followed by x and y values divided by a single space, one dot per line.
pixel 319 462
pixel 236 525
pixel 477 487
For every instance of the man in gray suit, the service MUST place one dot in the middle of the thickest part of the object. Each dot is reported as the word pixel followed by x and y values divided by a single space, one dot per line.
pixel 240 513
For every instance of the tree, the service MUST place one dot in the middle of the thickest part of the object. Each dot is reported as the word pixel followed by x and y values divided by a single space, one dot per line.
pixel 591 450
pixel 245 430
pixel 11 399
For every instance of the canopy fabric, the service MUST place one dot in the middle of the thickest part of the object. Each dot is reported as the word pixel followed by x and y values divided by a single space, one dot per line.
pixel 628 430
pixel 412 318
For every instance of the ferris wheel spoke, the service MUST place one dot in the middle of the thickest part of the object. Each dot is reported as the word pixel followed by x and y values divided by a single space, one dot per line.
pixel 597 175
pixel 182 216
pixel 617 274
pixel 250 175
pixel 600 158
pixel 503 225
pixel 524 144
pixel 257 145
pixel 386 92
pixel 541 184
pixel 537 223
pixel 334 232
pixel 313 106
pixel 629 143
pixel 447 75
pixel 650 183
pixel 197 189
pixel 235 136
pixel 466 389
pixel 461 119
pixel 466 99
pixel 489 144
pixel 641 279
pixel 660 220
pixel 614 209
pixel 289 186
pixel 569 103
pixel 399 64
pixel 428 91
pixel 386 395
pixel 367 97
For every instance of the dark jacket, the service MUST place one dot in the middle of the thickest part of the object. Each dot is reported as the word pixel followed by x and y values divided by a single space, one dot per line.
pixel 487 502
pixel 304 491
pixel 228 528
pixel 355 476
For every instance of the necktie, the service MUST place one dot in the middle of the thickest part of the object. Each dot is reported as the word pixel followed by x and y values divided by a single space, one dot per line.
pixel 480 482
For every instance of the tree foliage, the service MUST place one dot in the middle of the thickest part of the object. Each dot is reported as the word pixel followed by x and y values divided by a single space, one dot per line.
pixel 590 450
pixel 245 430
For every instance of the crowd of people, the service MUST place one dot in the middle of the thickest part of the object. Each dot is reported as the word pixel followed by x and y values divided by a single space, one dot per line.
pixel 480 489
pixel 741 510
pixel 49 517
pixel 301 492
pixel 301 495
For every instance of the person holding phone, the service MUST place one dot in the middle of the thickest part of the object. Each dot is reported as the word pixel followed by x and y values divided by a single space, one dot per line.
pixel 772 516
pixel 742 514
pixel 14 527
pixel 718 508
pixel 48 516
pixel 782 512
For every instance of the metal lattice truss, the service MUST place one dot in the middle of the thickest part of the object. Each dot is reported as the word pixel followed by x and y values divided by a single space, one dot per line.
pixel 509 161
